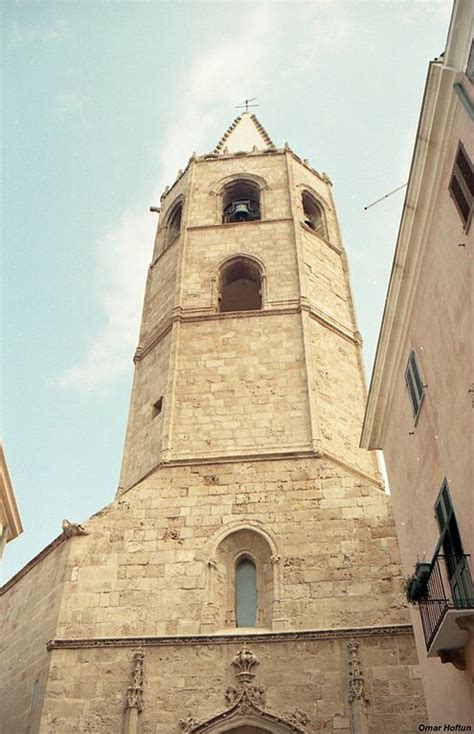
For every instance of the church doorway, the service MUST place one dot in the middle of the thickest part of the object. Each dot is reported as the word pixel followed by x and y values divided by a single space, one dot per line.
pixel 247 729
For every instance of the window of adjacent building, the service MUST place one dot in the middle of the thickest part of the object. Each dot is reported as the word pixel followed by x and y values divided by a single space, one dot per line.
pixel 414 384
pixel 174 224
pixel 461 186
pixel 241 202
pixel 450 541
pixel 240 286
pixel 246 593
pixel 470 64
pixel 313 216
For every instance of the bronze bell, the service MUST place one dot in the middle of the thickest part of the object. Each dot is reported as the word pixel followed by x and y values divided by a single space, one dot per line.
pixel 241 212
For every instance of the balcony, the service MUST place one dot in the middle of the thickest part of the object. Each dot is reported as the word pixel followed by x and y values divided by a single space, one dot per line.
pixel 447 608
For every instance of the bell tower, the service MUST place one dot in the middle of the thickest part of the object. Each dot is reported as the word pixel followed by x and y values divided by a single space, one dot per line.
pixel 249 347
pixel 246 578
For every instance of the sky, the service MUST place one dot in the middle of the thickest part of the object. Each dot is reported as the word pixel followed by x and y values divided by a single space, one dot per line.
pixel 102 103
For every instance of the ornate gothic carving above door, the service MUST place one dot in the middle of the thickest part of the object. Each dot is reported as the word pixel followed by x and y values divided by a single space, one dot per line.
pixel 246 712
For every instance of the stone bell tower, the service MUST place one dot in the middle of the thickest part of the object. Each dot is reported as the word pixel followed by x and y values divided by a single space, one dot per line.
pixel 249 348
pixel 246 578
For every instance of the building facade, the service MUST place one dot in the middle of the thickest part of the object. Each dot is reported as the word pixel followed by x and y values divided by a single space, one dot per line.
pixel 246 578
pixel 420 406
pixel 10 521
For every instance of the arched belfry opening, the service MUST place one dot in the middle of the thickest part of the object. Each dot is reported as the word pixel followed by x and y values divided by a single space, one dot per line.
pixel 173 227
pixel 241 202
pixel 313 214
pixel 240 285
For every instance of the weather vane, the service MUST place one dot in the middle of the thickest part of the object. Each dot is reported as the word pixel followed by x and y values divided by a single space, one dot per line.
pixel 247 104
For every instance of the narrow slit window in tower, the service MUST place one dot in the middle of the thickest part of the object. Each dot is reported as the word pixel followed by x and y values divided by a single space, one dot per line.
pixel 313 216
pixel 241 202
pixel 240 286
pixel 246 593
pixel 174 224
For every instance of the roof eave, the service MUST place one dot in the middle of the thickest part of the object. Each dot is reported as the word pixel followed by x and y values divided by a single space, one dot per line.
pixel 8 499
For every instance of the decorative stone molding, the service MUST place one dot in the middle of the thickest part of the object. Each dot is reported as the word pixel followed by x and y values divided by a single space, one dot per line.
pixel 256 695
pixel 244 663
pixel 134 697
pixel 231 638
pixel 262 130
pixel 135 689
pixel 358 697
pixel 246 705
pixel 357 689
pixel 297 717
pixel 188 724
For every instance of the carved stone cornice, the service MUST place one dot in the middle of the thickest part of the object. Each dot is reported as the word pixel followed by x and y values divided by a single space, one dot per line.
pixel 193 315
pixel 227 639
pixel 229 225
pixel 269 455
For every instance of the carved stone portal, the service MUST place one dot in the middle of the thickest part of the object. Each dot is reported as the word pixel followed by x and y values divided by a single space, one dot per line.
pixel 246 705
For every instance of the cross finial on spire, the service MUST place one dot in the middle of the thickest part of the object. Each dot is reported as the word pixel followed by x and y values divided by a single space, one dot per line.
pixel 247 104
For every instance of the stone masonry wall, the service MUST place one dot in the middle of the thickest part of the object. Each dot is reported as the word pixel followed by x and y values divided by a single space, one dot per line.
pixel 190 680
pixel 231 375
pixel 29 611
pixel 325 282
pixel 210 176
pixel 340 390
pixel 144 567
pixel 145 427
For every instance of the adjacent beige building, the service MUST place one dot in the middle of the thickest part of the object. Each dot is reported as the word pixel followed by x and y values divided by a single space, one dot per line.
pixel 421 400
pixel 246 578
pixel 10 521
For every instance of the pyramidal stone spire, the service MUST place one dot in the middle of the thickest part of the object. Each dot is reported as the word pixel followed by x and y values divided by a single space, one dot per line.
pixel 244 135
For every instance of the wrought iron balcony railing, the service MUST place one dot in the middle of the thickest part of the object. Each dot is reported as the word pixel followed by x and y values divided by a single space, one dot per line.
pixel 448 587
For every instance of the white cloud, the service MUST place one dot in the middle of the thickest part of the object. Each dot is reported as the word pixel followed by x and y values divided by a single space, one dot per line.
pixel 123 252
pixel 122 257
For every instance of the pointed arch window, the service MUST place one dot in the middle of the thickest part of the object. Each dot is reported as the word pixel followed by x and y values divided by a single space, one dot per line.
pixel 245 592
pixel 313 214
pixel 174 223
pixel 243 581
pixel 240 286
pixel 241 202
